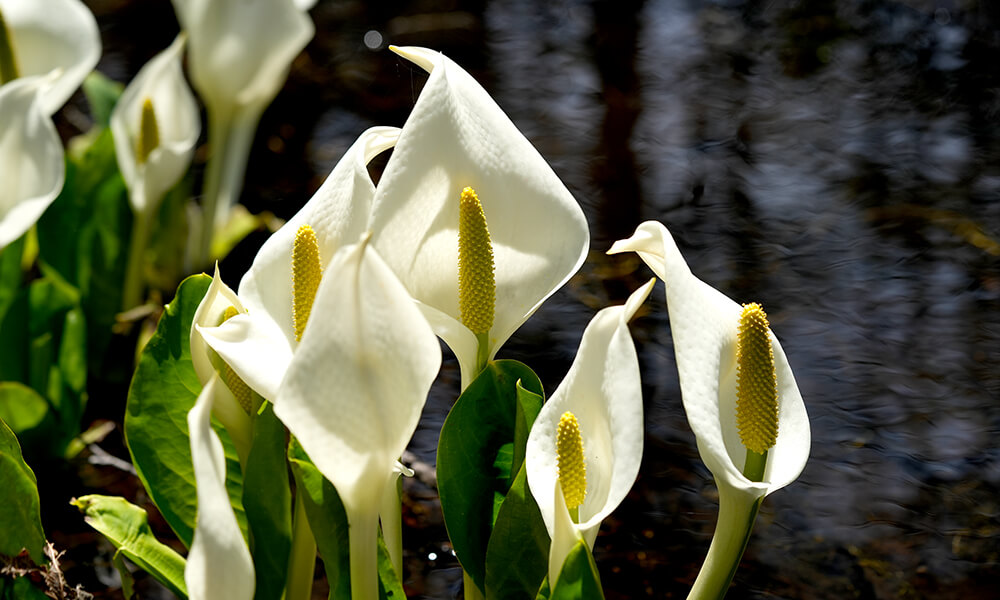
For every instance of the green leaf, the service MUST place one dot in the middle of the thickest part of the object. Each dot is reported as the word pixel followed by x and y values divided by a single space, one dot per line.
pixel 578 579
pixel 20 520
pixel 43 346
pixel 267 499
pixel 328 521
pixel 163 391
pixel 518 552
pixel 84 237
pixel 470 477
pixel 125 526
pixel 102 94
pixel 10 272
pixel 21 407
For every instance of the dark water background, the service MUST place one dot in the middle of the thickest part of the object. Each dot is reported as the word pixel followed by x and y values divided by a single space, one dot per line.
pixel 836 161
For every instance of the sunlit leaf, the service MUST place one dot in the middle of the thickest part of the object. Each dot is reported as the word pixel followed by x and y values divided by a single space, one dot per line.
pixel 125 526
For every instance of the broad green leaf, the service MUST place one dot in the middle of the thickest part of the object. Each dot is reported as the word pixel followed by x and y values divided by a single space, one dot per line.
pixel 470 476
pixel 163 390
pixel 125 526
pixel 43 346
pixel 328 521
pixel 20 520
pixel 21 407
pixel 84 237
pixel 267 499
pixel 518 552
pixel 579 579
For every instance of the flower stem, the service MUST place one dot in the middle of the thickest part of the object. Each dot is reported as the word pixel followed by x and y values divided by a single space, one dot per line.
pixel 230 134
pixel 302 558
pixel 363 538
pixel 483 352
pixel 132 291
pixel 737 513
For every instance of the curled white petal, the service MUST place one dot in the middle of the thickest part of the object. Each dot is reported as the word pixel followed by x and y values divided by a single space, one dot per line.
pixel 54 35
pixel 219 564
pixel 209 313
pixel 457 136
pixel 178 124
pixel 31 157
pixel 260 344
pixel 704 323
pixel 602 389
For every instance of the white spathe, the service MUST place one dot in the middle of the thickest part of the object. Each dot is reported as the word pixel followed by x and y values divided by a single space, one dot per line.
pixel 602 389
pixel 704 324
pixel 178 124
pixel 219 564
pixel 210 313
pixel 355 389
pixel 240 50
pixel 31 157
pixel 259 344
pixel 53 35
pixel 457 136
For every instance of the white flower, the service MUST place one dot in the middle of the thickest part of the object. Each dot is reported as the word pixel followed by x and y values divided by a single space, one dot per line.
pixel 239 55
pixel 219 564
pixel 259 344
pixel 31 157
pixel 704 323
pixel 175 120
pixel 355 389
pixel 46 49
pixel 602 390
pixel 457 137
pixel 53 35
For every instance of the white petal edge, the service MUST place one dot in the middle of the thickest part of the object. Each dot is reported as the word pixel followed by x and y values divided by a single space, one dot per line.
pixel 704 322
pixel 53 35
pixel 260 344
pixel 602 389
pixel 457 136
pixel 209 313
pixel 31 157
pixel 219 564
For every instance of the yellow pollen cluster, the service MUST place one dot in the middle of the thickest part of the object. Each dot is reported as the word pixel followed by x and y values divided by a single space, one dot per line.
pixel 477 288
pixel 149 133
pixel 756 383
pixel 569 458
pixel 236 385
pixel 8 62
pixel 306 275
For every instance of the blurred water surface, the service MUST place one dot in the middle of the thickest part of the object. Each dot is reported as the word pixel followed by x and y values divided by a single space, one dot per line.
pixel 836 161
